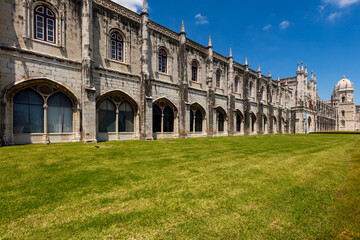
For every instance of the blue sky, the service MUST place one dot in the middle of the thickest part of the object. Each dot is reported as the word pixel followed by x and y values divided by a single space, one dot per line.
pixel 324 34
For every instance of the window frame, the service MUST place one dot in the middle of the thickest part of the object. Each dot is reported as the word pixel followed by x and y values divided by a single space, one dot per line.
pixel 46 17
pixel 163 61
pixel 117 47
pixel 218 78
pixel 194 71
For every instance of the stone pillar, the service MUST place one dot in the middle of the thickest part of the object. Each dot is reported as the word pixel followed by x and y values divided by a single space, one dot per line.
pixel 231 97
pixel 88 97
pixel 247 123
pixel 184 109
pixel 211 128
pixel 146 103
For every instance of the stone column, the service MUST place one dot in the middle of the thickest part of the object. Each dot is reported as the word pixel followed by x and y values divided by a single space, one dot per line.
pixel 211 128
pixel 184 109
pixel 146 105
pixel 231 97
pixel 88 97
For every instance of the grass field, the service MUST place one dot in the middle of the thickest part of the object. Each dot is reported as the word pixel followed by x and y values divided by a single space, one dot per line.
pixel 253 187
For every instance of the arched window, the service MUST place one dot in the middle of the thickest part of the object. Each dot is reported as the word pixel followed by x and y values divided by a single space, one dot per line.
pixel 250 89
pixel 218 76
pixel 194 71
pixel 117 47
pixel 162 61
pixel 60 114
pixel 196 119
pixel 236 85
pixel 343 99
pixel 126 117
pixel 28 112
pixel 107 116
pixel 265 124
pixel 163 119
pixel 343 113
pixel 168 119
pixel 45 29
pixel 221 120
pixel 253 121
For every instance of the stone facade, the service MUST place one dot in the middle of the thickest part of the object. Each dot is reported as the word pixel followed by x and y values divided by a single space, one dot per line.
pixel 217 97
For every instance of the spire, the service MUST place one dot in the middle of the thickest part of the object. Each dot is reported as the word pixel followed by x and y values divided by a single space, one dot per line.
pixel 209 44
pixel 315 76
pixel 302 66
pixel 278 78
pixel 306 72
pixel 298 68
pixel 269 74
pixel 182 27
pixel 144 10
pixel 259 69
pixel 344 77
pixel 246 62
pixel 312 75
pixel 230 54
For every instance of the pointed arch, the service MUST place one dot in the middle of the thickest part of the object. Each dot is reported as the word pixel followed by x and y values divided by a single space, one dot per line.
pixel 239 120
pixel 197 117
pixel 164 112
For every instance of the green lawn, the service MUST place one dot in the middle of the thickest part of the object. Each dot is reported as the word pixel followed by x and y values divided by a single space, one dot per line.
pixel 272 187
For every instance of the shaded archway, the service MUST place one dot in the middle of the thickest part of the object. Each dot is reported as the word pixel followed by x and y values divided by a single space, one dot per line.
pixel 239 126
pixel 220 120
pixel 197 118
pixel 252 123
pixel 164 115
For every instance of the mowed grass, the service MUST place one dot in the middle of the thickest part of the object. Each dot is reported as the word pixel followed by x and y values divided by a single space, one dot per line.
pixel 250 187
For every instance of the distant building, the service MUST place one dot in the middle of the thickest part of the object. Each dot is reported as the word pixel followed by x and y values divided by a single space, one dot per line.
pixel 343 99
pixel 92 70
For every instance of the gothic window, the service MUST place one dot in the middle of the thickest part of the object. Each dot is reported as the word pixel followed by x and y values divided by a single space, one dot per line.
pixel 107 116
pixel 250 89
pixel 117 47
pixel 45 29
pixel 343 113
pixel 162 61
pixel 221 120
pixel 236 85
pixel 163 119
pixel 126 117
pixel 28 112
pixel 60 114
pixel 343 99
pixel 218 76
pixel 194 71
pixel 197 120
pixel 30 107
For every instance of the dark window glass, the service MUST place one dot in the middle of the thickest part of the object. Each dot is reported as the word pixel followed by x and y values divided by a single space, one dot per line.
pixel 126 117
pixel 117 47
pixel 220 122
pixel 218 78
pixel 44 24
pixel 162 61
pixel 191 121
pixel 236 85
pixel 156 118
pixel 253 122
pixel 60 114
pixel 198 121
pixel 194 71
pixel 238 122
pixel 28 112
pixel 343 113
pixel 107 116
pixel 343 99
pixel 168 119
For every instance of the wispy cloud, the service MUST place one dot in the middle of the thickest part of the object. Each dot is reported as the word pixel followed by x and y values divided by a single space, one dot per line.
pixel 341 3
pixel 133 5
pixel 284 25
pixel 334 16
pixel 199 19
pixel 267 27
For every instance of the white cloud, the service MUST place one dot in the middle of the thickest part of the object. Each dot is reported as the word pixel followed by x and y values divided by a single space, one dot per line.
pixel 341 3
pixel 284 25
pixel 199 19
pixel 133 5
pixel 267 27
pixel 334 16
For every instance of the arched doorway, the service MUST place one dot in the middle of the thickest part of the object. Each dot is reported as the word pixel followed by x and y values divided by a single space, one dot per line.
pixel 221 121
pixel 239 126
pixel 253 123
